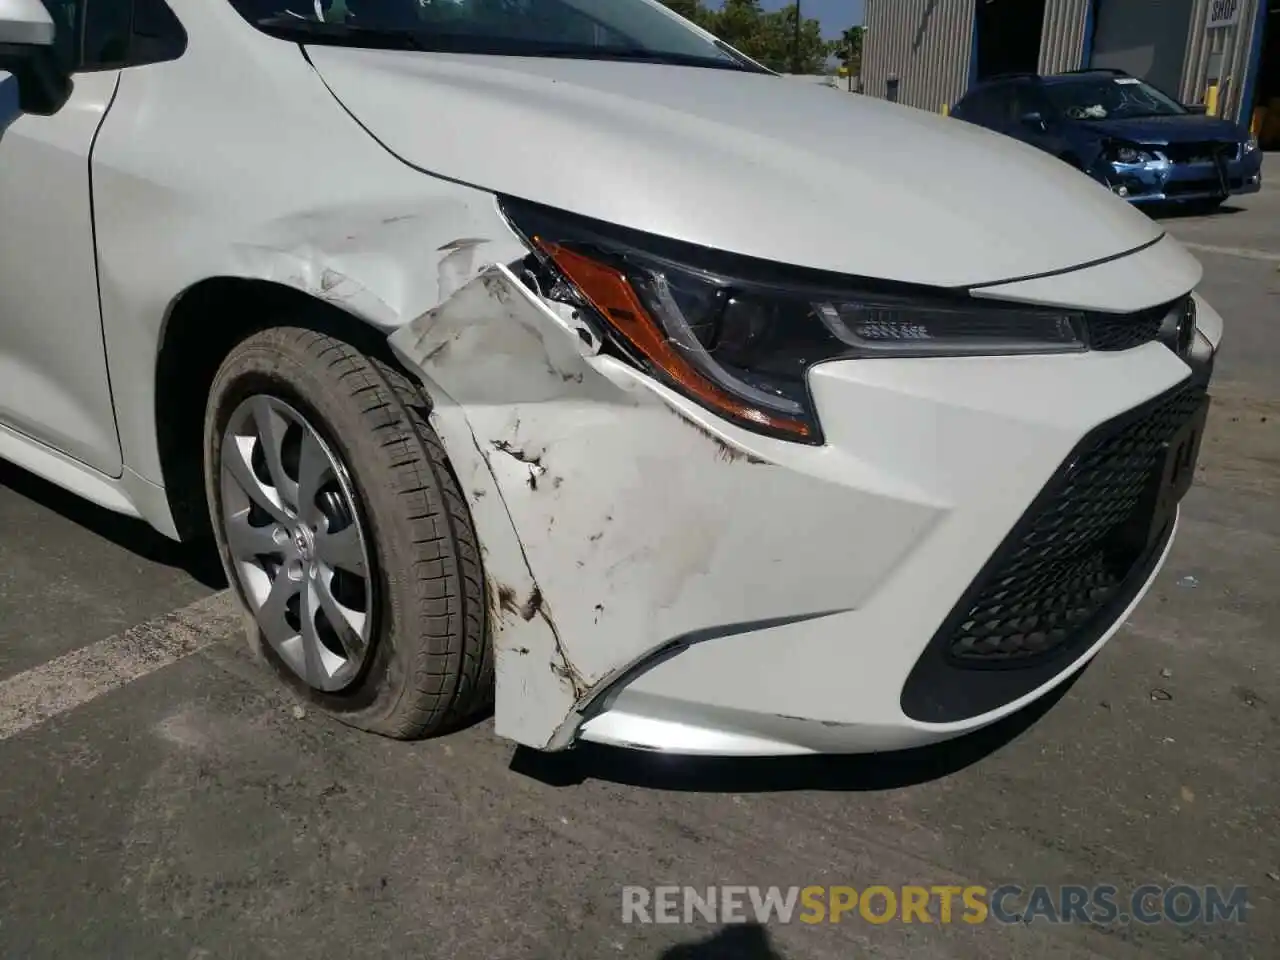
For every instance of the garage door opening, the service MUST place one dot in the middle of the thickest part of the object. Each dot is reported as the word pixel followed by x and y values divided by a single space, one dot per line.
pixel 1267 99
pixel 1147 38
pixel 1008 35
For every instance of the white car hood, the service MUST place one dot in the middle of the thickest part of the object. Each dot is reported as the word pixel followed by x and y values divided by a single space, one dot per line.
pixel 753 164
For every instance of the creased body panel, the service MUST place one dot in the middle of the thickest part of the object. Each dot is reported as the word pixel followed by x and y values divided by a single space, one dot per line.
pixel 641 521
pixel 284 188
pixel 625 528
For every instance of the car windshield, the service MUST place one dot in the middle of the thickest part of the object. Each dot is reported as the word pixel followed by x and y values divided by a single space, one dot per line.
pixel 1110 98
pixel 635 30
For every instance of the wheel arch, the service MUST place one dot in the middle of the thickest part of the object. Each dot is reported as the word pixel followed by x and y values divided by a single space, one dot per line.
pixel 203 324
pixel 539 685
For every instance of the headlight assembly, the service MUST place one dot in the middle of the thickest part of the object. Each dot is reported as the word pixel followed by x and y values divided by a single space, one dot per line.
pixel 1127 154
pixel 739 336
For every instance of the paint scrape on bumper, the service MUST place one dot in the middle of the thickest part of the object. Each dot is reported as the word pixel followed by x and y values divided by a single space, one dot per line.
pixel 623 519
pixel 518 387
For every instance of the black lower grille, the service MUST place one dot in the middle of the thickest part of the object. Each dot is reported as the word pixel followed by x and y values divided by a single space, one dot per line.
pixel 1189 188
pixel 1125 331
pixel 1205 151
pixel 1066 571
pixel 1076 552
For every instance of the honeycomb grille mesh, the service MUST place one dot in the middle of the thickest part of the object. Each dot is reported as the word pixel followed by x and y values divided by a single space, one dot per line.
pixel 1072 556
pixel 1124 332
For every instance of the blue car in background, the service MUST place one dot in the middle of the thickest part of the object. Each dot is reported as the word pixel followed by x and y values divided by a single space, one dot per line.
pixel 1140 143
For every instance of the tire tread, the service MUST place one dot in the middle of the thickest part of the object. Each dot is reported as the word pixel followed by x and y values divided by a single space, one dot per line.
pixel 448 656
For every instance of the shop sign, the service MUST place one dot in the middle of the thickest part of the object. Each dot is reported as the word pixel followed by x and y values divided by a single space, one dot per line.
pixel 1223 13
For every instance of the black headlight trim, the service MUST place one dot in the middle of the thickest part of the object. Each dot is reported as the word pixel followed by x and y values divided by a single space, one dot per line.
pixel 864 317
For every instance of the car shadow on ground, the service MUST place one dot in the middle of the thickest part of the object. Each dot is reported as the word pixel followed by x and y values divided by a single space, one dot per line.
pixel 125 532
pixel 1177 211
pixel 840 773
pixel 747 941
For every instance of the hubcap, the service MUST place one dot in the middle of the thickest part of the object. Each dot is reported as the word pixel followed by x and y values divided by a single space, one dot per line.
pixel 299 554
pixel 304 543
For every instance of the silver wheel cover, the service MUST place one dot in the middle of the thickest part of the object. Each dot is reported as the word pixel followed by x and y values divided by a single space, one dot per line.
pixel 291 523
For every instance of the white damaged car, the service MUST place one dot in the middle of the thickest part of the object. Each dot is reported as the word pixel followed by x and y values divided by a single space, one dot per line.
pixel 554 354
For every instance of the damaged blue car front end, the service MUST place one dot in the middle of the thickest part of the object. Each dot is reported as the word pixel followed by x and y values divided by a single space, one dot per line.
pixel 1133 138
pixel 1149 148
pixel 1188 168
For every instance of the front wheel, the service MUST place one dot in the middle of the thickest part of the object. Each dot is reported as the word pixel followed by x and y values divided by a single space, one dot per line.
pixel 345 536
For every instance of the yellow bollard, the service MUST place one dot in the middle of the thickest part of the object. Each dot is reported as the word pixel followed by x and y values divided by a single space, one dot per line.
pixel 946 110
pixel 1211 100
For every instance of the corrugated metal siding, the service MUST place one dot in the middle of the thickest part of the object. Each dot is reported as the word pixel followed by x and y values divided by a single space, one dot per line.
pixel 925 43
pixel 1062 42
pixel 1197 55
pixel 1225 51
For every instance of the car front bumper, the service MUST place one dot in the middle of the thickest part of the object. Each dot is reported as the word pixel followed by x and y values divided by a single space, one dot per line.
pixel 866 666
pixel 661 579
pixel 1161 181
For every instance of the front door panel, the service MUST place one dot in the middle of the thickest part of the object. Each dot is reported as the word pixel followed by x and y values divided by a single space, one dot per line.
pixel 53 372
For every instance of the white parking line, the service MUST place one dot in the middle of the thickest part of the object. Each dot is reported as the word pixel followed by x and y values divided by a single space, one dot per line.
pixel 1243 252
pixel 36 695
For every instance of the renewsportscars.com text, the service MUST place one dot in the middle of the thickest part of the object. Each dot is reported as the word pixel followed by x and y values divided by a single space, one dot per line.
pixel 1101 904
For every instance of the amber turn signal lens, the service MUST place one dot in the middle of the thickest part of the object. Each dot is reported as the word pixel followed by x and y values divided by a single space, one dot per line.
pixel 610 292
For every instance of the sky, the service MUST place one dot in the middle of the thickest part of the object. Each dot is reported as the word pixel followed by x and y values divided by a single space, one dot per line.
pixel 834 14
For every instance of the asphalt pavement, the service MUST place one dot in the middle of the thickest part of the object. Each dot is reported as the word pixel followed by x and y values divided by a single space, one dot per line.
pixel 159 797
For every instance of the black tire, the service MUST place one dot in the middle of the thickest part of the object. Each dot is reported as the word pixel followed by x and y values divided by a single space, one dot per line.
pixel 429 668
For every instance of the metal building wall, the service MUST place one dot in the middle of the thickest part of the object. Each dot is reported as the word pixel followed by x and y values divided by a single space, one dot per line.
pixel 927 44
pixel 1147 38
pixel 1221 54
pixel 1062 40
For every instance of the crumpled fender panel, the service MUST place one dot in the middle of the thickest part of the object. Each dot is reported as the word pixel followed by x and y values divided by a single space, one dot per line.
pixel 617 520
pixel 381 263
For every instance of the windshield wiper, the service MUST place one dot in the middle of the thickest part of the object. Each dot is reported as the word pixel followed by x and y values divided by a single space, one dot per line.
pixel 739 58
pixel 301 30
pixel 634 55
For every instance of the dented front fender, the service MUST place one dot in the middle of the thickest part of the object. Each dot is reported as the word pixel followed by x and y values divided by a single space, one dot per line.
pixel 617 519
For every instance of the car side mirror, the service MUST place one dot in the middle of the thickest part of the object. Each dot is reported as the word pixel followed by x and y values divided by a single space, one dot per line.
pixel 1197 108
pixel 1034 120
pixel 27 51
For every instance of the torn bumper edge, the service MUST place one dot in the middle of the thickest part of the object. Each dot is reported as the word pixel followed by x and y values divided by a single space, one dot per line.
pixel 568 457
pixel 541 697
pixel 525 403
